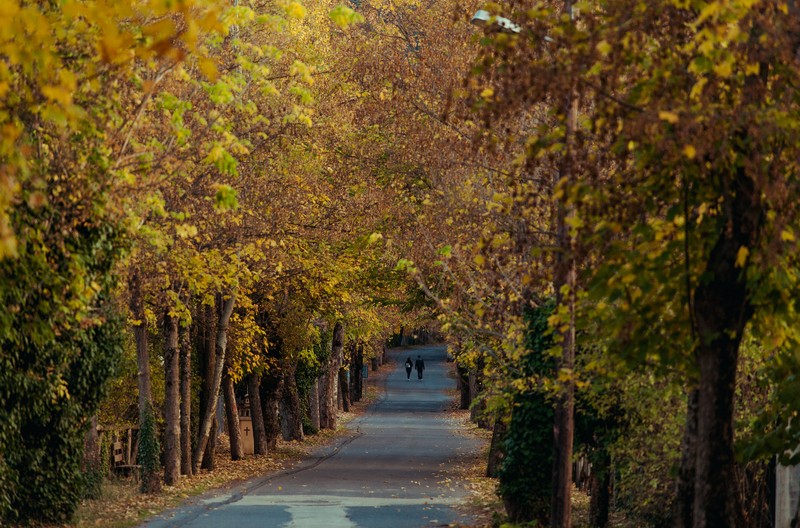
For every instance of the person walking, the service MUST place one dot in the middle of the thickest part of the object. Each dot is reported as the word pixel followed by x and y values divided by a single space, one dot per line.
pixel 409 366
pixel 420 366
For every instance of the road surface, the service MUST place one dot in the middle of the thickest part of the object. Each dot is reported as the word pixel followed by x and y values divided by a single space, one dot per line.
pixel 387 474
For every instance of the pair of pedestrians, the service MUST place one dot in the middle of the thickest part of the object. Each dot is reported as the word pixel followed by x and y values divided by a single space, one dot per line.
pixel 418 364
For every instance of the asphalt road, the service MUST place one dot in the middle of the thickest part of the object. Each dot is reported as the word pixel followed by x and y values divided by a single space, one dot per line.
pixel 390 472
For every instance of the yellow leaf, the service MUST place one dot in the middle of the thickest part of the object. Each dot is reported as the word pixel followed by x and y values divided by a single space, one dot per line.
pixel 724 69
pixel 487 93
pixel 604 47
pixel 670 117
pixel 752 69
pixel 295 10
pixel 787 236
pixel 209 68
pixel 689 151
pixel 741 256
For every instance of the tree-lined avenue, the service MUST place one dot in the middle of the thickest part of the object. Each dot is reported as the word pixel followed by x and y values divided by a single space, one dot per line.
pixel 390 471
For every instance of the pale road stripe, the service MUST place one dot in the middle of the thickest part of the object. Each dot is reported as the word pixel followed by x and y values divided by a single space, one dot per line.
pixel 316 500
pixel 330 516
pixel 329 510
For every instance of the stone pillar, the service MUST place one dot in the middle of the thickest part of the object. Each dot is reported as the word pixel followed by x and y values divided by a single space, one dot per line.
pixel 787 488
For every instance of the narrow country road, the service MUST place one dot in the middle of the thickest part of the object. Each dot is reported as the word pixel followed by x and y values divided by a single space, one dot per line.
pixel 387 474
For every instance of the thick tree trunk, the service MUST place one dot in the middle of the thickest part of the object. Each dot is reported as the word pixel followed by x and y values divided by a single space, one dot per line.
pixel 329 398
pixel 721 310
pixel 206 338
pixel 271 389
pixel 186 404
pixel 257 414
pixel 684 496
pixel 232 417
pixel 172 402
pixel 313 405
pixel 344 390
pixel 211 404
pixel 290 404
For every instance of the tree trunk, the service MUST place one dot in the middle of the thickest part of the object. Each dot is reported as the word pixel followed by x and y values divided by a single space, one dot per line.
pixel 329 398
pixel 721 311
pixel 186 404
pixel 463 387
pixel 92 464
pixel 232 417
pixel 292 411
pixel 142 353
pixel 206 337
pixel 477 411
pixel 211 404
pixel 600 501
pixel 684 496
pixel 257 414
pixel 151 482
pixel 313 405
pixel 496 452
pixel 565 275
pixel 353 378
pixel 172 402
pixel 271 389
pixel 344 390
pixel 359 369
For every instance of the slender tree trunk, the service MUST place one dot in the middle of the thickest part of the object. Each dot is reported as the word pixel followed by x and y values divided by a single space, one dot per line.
pixel 359 368
pixel 151 482
pixel 186 404
pixel 328 402
pixel 221 343
pixel 463 387
pixel 353 378
pixel 292 411
pixel 232 416
pixel 684 496
pixel 142 353
pixel 206 346
pixel 344 390
pixel 172 402
pixel 565 275
pixel 257 414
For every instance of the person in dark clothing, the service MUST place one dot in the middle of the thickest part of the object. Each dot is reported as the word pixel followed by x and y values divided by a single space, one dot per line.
pixel 409 366
pixel 420 366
